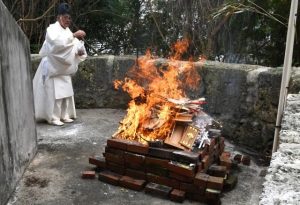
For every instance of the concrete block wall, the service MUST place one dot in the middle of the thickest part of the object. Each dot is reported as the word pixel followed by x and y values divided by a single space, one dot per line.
pixel 18 142
pixel 282 185
pixel 243 97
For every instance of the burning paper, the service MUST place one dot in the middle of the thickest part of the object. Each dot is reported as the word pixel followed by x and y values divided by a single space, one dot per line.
pixel 158 98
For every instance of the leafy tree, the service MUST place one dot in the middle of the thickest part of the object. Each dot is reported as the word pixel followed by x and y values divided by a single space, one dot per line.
pixel 244 31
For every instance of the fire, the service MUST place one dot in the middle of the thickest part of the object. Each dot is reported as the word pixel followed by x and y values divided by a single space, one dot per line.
pixel 150 114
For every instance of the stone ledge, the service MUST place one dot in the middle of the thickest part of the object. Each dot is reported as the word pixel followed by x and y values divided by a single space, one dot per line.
pixel 282 180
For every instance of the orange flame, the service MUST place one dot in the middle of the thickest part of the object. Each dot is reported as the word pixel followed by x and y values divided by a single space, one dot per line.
pixel 150 115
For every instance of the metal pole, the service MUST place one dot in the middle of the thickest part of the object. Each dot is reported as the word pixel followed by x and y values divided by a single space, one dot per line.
pixel 286 72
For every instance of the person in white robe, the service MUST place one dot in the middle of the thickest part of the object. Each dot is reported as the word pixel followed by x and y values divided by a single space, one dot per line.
pixel 52 85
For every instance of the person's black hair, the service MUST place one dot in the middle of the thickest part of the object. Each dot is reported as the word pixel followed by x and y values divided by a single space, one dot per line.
pixel 63 8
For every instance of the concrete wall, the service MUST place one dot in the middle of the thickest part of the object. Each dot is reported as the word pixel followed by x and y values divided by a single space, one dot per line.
pixel 243 97
pixel 17 126
pixel 282 185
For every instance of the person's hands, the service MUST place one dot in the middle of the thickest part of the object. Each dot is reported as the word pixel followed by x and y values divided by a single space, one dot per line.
pixel 79 34
pixel 80 53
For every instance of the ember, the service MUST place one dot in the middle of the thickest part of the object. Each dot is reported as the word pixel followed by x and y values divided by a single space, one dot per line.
pixel 166 144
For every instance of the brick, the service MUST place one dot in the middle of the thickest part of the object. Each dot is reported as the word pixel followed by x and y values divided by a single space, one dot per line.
pixel 225 155
pixel 185 157
pixel 237 158
pixel 201 180
pixel 217 171
pixel 158 190
pixel 222 141
pixel 182 169
pixel 181 178
pixel 177 195
pixel 191 188
pixel 199 168
pixel 113 158
pixel 151 161
pixel 202 154
pixel 215 183
pixel 213 195
pixel 226 162
pixel 222 147
pixel 119 169
pixel 155 169
pixel 109 177
pixel 230 182
pixel 135 174
pixel 137 147
pixel 88 174
pixel 162 180
pixel 156 143
pixel 114 150
pixel 131 183
pixel 118 143
pixel 98 161
pixel 132 165
pixel 212 145
pixel 246 160
pixel 134 158
pixel 163 153
pixel 206 162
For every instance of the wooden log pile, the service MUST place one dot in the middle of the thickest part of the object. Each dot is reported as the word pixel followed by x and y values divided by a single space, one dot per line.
pixel 200 174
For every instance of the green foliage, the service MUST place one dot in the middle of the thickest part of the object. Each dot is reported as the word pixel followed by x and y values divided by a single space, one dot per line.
pixel 244 31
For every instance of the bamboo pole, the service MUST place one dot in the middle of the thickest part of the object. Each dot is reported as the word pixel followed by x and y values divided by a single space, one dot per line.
pixel 286 72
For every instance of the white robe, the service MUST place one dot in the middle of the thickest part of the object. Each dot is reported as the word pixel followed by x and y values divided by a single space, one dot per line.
pixel 52 79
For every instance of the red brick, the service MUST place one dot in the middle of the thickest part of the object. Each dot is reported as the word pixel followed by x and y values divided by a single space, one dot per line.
pixel 88 175
pixel 135 166
pixel 177 195
pixel 246 160
pixel 217 171
pixel 98 161
pixel 185 157
pixel 212 145
pixel 131 183
pixel 201 180
pixel 137 147
pixel 109 177
pixel 155 169
pixel 237 158
pixel 162 153
pixel 150 161
pixel 118 143
pixel 182 169
pixel 158 189
pixel 202 154
pixel 191 188
pixel 113 158
pixel 215 183
pixel 162 180
pixel 206 161
pixel 213 195
pixel 225 155
pixel 134 158
pixel 135 174
pixel 199 167
pixel 114 151
pixel 115 168
pixel 181 178
pixel 226 162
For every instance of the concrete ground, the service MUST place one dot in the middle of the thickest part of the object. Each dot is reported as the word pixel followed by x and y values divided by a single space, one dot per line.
pixel 53 177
